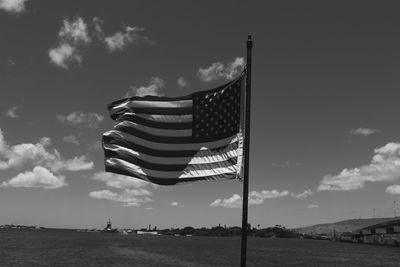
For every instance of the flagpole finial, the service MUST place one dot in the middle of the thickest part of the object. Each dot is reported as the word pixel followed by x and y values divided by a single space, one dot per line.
pixel 249 41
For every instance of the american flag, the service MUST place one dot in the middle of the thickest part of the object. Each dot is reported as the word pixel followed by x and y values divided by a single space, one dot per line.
pixel 170 140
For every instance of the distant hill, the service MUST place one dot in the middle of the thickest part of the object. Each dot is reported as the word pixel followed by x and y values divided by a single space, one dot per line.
pixel 342 226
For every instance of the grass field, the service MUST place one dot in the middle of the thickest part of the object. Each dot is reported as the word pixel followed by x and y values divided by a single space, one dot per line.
pixel 70 248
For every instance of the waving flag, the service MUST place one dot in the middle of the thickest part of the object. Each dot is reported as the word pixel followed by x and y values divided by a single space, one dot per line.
pixel 170 140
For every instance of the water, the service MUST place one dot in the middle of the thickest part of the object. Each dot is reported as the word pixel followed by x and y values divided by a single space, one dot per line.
pixel 71 248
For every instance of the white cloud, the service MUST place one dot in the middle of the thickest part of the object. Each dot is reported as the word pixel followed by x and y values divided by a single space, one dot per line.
pixel 81 119
pixel 120 181
pixel 130 35
pixel 129 197
pixel 182 82
pixel 153 88
pixel 39 177
pixel 39 154
pixel 219 70
pixel 13 6
pixel 312 206
pixel 235 201
pixel 64 55
pixel 76 36
pixel 72 139
pixel 76 164
pixel 176 204
pixel 11 62
pixel 305 194
pixel 132 190
pixel 75 32
pixel 384 167
pixel 73 38
pixel 393 189
pixel 97 28
pixel 363 131
pixel 12 112
pixel 256 198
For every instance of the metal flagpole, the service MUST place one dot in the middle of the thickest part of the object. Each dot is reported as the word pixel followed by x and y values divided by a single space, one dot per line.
pixel 243 254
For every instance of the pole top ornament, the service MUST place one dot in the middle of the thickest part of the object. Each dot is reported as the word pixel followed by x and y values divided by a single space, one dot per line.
pixel 249 42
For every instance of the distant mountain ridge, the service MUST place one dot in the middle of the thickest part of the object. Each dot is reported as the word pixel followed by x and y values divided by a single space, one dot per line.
pixel 342 226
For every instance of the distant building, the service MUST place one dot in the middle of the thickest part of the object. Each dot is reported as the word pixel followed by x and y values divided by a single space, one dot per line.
pixel 387 233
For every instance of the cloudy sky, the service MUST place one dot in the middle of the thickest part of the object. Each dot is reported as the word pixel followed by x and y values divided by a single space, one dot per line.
pixel 325 107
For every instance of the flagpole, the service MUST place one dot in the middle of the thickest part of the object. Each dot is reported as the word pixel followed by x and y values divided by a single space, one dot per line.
pixel 243 253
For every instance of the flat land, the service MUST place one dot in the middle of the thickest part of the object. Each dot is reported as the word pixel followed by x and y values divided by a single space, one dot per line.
pixel 71 248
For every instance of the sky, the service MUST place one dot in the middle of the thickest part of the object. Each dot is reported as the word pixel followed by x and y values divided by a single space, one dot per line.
pixel 325 102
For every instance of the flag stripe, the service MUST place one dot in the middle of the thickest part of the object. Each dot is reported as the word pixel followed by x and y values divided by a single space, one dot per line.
pixel 151 104
pixel 167 118
pixel 171 181
pixel 202 156
pixel 184 122
pixel 172 147
pixel 163 111
pixel 116 139
pixel 115 113
pixel 168 167
pixel 191 172
pixel 153 131
pixel 154 138
pixel 147 98
pixel 156 113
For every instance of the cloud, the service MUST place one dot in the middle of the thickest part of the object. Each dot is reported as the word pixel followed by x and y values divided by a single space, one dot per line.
pixel 11 62
pixel 393 189
pixel 363 131
pixel 75 32
pixel 176 204
pixel 73 38
pixel 305 194
pixel 76 36
pixel 219 70
pixel 97 28
pixel 64 55
pixel 12 113
pixel 130 35
pixel 384 167
pixel 76 164
pixel 72 139
pixel 256 198
pixel 132 190
pixel 39 154
pixel 120 181
pixel 13 6
pixel 153 88
pixel 129 197
pixel 182 82
pixel 81 119
pixel 39 177
pixel 312 206
pixel 235 201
